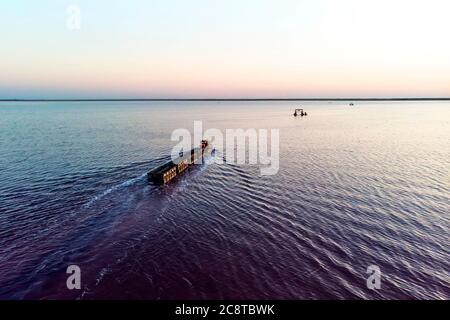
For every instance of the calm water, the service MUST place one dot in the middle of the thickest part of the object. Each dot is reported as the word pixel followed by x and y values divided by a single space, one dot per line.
pixel 357 186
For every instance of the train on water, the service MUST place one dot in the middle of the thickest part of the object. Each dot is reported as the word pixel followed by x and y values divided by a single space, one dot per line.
pixel 173 168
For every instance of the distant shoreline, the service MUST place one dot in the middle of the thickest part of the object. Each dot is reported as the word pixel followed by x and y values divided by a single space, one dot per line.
pixel 220 99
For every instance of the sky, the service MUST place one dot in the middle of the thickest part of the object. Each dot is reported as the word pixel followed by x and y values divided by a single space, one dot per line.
pixel 224 48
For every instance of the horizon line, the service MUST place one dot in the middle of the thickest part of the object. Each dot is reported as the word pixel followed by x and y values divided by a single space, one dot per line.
pixel 223 99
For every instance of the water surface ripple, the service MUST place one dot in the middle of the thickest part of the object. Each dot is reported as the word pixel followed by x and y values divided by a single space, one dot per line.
pixel 357 186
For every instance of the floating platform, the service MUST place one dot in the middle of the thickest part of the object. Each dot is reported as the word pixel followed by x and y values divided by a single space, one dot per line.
pixel 300 112
pixel 173 168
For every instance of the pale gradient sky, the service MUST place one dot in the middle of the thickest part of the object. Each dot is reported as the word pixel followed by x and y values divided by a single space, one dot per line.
pixel 225 48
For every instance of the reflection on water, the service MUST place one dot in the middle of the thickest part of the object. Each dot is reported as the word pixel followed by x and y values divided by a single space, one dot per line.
pixel 357 186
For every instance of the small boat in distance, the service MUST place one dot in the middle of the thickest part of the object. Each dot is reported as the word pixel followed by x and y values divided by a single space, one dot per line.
pixel 302 113
pixel 171 169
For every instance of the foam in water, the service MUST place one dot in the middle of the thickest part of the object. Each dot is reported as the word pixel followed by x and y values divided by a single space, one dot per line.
pixel 115 188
